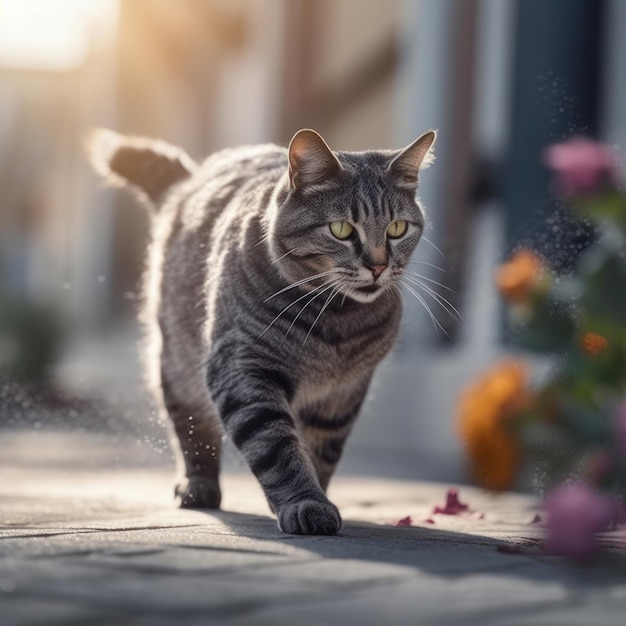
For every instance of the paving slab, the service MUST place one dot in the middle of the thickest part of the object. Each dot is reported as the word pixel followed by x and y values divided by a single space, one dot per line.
pixel 84 540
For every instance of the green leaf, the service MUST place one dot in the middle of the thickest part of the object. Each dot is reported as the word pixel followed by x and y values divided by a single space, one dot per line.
pixel 549 327
pixel 597 373
pixel 611 205
pixel 588 422
pixel 605 286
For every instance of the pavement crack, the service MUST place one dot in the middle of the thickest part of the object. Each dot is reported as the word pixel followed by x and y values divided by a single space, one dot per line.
pixel 226 549
pixel 93 530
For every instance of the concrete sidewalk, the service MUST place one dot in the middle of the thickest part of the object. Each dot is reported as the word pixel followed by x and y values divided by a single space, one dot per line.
pixel 88 541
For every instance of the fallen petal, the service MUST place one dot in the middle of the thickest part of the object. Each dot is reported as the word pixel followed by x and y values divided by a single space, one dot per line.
pixel 454 506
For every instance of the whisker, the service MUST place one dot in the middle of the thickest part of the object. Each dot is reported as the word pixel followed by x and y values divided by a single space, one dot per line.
pixel 333 293
pixel 441 269
pixel 301 282
pixel 331 284
pixel 443 256
pixel 430 280
pixel 263 238
pixel 398 290
pixel 282 256
pixel 308 293
pixel 428 309
pixel 443 302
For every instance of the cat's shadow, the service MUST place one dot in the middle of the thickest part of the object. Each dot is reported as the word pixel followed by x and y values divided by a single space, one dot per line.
pixel 441 553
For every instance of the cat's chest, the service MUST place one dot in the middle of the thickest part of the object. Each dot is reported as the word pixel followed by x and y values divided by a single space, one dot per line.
pixel 339 356
pixel 327 379
pixel 345 352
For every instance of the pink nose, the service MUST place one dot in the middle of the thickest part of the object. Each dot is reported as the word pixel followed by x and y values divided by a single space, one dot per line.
pixel 376 270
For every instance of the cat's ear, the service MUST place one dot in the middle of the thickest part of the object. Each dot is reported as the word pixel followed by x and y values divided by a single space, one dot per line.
pixel 310 159
pixel 405 167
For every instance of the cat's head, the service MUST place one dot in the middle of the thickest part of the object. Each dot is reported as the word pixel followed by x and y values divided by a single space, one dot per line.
pixel 351 220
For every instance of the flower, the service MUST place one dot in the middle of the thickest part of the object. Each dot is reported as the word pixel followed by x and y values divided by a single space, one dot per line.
pixel 575 513
pixel 517 278
pixel 486 409
pixel 593 343
pixel 582 166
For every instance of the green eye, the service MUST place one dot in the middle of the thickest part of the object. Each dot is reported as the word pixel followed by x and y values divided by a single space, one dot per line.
pixel 397 229
pixel 340 229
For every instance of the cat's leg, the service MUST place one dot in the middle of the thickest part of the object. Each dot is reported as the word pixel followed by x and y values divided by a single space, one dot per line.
pixel 325 430
pixel 326 445
pixel 254 408
pixel 195 426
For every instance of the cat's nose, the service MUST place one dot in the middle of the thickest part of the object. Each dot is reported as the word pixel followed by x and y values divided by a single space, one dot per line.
pixel 377 270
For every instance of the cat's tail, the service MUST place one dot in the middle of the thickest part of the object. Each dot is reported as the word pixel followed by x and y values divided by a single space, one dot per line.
pixel 149 166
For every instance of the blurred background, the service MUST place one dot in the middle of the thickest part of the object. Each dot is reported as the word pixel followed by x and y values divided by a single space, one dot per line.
pixel 499 79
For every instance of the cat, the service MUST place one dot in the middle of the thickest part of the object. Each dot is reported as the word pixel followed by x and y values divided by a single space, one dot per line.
pixel 271 294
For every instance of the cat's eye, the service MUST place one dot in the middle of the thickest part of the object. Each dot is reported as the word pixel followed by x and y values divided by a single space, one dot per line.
pixel 341 229
pixel 397 229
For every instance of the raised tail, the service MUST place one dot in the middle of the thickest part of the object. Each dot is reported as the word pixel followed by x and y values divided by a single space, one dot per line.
pixel 149 166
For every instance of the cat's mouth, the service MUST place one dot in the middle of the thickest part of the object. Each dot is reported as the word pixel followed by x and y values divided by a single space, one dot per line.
pixel 371 288
pixel 367 292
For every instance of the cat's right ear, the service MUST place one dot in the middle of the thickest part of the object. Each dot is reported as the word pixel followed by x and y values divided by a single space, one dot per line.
pixel 311 161
pixel 406 165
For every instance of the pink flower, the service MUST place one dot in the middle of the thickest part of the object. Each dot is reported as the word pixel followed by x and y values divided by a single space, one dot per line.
pixel 405 521
pixel 574 514
pixel 620 428
pixel 582 166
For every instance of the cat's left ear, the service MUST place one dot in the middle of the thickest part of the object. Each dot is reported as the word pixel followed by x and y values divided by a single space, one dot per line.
pixel 405 167
pixel 310 159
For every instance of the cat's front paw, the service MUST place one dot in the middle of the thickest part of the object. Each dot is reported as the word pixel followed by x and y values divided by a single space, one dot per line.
pixel 309 517
pixel 198 492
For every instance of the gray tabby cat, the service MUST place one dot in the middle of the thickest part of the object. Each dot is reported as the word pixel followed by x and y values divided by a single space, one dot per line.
pixel 272 293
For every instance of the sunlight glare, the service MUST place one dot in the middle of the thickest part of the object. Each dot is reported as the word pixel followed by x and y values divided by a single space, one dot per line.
pixel 51 34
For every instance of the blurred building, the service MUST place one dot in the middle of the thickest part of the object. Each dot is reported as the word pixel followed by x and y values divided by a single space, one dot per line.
pixel 203 74
pixel 500 79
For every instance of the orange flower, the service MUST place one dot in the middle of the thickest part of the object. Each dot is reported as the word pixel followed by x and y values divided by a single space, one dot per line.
pixel 593 343
pixel 517 278
pixel 486 408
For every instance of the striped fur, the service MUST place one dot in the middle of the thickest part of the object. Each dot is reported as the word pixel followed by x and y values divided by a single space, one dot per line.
pixel 263 324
